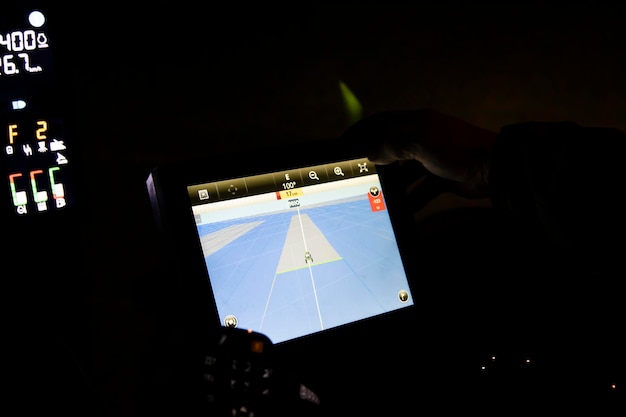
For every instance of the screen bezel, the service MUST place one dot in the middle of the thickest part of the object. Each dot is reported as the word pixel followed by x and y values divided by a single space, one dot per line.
pixel 189 291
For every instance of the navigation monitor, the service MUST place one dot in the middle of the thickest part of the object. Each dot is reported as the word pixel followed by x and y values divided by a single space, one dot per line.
pixel 297 250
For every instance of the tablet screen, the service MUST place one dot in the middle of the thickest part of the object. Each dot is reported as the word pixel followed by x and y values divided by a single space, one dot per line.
pixel 294 252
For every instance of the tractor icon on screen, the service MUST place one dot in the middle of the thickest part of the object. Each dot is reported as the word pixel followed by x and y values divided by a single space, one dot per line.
pixel 308 258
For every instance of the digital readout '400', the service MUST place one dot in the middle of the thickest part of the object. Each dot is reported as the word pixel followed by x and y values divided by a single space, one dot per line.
pixel 21 42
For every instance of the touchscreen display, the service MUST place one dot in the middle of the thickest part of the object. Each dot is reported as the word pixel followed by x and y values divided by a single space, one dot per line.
pixel 300 251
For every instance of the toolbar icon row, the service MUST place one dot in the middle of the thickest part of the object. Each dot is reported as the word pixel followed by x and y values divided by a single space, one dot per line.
pixel 281 181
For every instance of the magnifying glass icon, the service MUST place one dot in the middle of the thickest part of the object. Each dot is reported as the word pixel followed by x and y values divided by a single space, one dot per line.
pixel 313 175
pixel 337 171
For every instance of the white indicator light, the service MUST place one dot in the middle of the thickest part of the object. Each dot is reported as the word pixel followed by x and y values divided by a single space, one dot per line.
pixel 36 18
pixel 18 104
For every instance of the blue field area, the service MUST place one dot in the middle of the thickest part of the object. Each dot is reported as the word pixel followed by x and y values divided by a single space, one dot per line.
pixel 356 270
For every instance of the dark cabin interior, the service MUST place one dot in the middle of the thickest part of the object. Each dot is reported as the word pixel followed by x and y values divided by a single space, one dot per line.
pixel 162 82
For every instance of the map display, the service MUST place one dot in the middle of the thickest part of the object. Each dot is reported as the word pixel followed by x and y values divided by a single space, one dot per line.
pixel 290 264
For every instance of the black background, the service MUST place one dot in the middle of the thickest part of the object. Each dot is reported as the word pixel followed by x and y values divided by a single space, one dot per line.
pixel 168 80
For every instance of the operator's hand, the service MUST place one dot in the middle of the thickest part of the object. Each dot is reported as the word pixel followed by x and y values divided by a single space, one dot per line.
pixel 452 155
